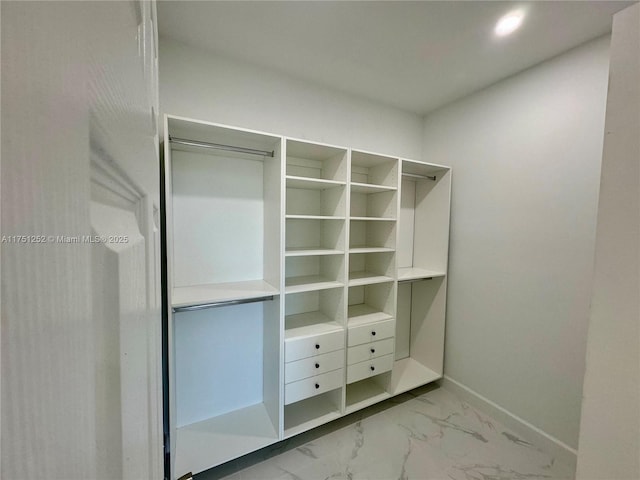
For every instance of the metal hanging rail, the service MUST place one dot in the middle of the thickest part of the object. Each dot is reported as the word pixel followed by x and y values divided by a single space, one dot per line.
pixel 219 146
pixel 225 303
pixel 415 175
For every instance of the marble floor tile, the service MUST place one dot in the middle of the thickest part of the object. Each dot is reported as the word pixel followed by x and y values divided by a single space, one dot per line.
pixel 427 434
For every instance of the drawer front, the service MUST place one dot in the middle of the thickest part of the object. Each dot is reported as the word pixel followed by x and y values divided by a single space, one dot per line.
pixel 305 347
pixel 367 351
pixel 308 367
pixel 313 386
pixel 371 332
pixel 369 368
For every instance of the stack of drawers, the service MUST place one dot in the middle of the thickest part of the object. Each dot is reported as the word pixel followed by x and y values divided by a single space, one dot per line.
pixel 370 349
pixel 313 365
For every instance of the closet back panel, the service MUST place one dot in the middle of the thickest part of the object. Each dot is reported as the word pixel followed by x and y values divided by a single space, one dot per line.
pixel 218 218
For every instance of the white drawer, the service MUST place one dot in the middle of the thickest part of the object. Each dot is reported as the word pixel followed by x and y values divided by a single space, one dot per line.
pixel 371 332
pixel 308 367
pixel 367 351
pixel 369 368
pixel 304 347
pixel 313 386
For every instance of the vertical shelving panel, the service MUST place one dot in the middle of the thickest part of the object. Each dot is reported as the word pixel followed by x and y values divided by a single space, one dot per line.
pixel 224 244
pixel 315 278
pixel 373 212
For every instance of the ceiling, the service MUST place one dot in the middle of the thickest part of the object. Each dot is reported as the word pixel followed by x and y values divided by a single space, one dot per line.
pixel 415 56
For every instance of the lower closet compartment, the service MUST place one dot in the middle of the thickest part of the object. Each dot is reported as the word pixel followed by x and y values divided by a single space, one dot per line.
pixel 227 382
pixel 420 328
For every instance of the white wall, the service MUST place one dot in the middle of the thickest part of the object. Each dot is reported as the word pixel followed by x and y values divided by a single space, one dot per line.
pixel 610 425
pixel 198 84
pixel 526 156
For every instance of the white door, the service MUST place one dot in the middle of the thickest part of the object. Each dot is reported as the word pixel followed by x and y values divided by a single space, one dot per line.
pixel 79 189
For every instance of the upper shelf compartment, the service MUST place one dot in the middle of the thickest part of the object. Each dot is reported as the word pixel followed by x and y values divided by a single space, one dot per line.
pixel 419 171
pixel 223 212
pixel 372 173
pixel 212 139
pixel 314 165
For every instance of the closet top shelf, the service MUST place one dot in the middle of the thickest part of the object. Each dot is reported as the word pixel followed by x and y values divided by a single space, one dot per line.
pixel 244 143
pixel 358 187
pixel 312 183
pixel 412 273
pixel 195 295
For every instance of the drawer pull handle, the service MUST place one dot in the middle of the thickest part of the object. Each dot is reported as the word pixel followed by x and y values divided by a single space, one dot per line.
pixel 317 365
pixel 317 346
pixel 373 350
pixel 373 333
pixel 317 385
pixel 373 368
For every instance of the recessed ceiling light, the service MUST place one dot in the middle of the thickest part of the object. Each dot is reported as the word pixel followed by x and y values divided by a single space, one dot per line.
pixel 509 23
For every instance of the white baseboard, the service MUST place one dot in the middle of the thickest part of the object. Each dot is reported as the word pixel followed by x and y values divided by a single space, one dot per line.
pixel 546 442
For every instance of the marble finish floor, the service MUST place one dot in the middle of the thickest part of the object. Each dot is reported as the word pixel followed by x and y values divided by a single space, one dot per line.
pixel 427 434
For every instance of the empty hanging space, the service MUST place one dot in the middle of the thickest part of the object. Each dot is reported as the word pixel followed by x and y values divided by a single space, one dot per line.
pixel 424 221
pixel 314 358
pixel 420 328
pixel 223 206
pixel 223 214
pixel 226 363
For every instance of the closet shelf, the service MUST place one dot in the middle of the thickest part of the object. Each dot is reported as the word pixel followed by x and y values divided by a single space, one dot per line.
pixel 408 374
pixel 363 314
pixel 373 219
pixel 220 292
pixel 371 250
pixel 304 251
pixel 412 273
pixel 310 183
pixel 357 187
pixel 309 324
pixel 307 414
pixel 308 283
pixel 366 278
pixel 314 217
pixel 205 444
pixel 364 393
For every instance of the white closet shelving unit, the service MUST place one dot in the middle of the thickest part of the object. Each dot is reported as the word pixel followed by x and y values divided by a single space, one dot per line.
pixel 305 281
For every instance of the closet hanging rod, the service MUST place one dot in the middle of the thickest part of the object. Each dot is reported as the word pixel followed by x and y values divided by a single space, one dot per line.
pixel 219 146
pixel 415 175
pixel 224 303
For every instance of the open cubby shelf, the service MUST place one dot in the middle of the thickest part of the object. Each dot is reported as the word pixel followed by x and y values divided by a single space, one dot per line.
pixel 311 183
pixel 327 269
pixel 306 252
